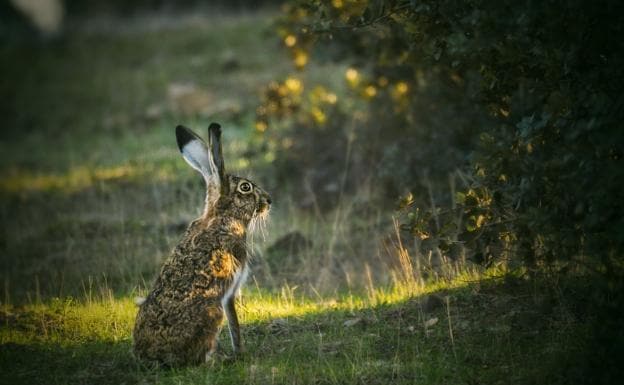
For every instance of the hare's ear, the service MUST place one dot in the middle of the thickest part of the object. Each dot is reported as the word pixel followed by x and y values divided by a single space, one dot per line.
pixel 214 140
pixel 196 153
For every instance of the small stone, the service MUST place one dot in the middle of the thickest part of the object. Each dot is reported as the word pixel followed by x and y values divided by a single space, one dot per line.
pixel 430 322
pixel 352 322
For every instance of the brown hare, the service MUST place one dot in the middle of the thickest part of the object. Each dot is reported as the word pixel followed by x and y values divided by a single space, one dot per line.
pixel 179 321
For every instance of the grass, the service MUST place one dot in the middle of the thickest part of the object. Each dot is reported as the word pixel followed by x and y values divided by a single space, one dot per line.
pixel 99 96
pixel 93 196
pixel 487 331
pixel 92 188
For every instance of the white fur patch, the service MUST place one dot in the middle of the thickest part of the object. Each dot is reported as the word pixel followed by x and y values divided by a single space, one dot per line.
pixel 239 279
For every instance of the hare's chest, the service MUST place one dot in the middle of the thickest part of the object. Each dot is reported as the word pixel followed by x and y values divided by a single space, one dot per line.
pixel 239 279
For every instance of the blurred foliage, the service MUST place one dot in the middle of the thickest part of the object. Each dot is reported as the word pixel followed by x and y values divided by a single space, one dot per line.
pixel 138 6
pixel 545 160
pixel 389 124
pixel 525 96
pixel 16 24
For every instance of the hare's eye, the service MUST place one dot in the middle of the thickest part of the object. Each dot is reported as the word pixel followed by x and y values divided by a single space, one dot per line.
pixel 244 187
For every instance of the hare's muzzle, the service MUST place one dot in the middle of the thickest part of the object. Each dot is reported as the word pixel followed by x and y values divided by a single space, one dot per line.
pixel 264 204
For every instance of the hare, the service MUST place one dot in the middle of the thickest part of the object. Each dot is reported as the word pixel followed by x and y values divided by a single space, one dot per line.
pixel 180 319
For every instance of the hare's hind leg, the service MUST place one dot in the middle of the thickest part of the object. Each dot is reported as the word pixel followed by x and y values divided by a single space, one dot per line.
pixel 211 348
pixel 211 332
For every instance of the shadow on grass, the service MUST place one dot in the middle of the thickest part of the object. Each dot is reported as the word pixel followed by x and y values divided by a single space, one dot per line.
pixel 85 363
pixel 486 332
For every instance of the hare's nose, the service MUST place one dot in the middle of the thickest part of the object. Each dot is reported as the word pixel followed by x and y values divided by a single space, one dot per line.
pixel 269 200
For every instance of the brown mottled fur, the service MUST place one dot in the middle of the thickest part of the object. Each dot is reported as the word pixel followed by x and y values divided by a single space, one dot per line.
pixel 181 317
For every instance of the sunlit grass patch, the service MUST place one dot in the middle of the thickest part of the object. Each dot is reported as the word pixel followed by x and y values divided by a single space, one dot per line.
pixel 75 179
pixel 67 321
pixel 471 331
pixel 102 316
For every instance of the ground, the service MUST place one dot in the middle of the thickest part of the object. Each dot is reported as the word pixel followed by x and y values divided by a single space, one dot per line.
pixel 493 330
pixel 94 195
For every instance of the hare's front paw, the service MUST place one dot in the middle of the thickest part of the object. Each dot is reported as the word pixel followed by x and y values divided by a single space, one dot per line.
pixel 229 359
pixel 220 358
pixel 210 359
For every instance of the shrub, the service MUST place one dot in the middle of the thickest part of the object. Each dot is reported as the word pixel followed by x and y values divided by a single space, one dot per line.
pixel 527 95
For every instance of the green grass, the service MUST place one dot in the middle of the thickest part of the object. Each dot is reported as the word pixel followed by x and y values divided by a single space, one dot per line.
pixel 94 195
pixel 492 331
pixel 102 96
pixel 92 186
pixel 93 190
